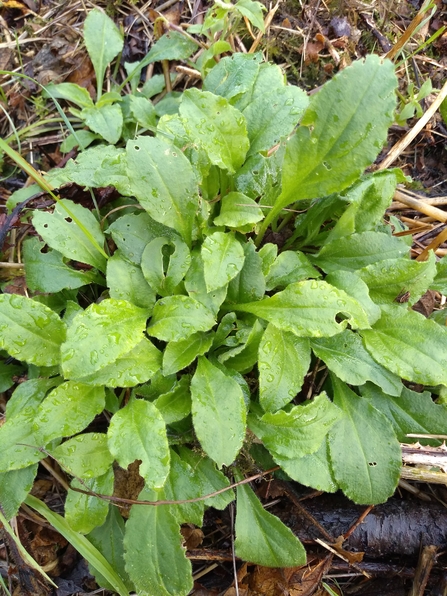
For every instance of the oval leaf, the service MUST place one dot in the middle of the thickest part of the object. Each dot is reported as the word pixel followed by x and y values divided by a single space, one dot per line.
pixel 283 361
pixel 164 183
pixel 261 537
pixel 308 309
pixel 223 257
pixel 138 431
pixel 103 41
pixel 218 411
pixel 365 454
pixel 30 331
pixel 409 345
pixel 100 335
pixel 177 317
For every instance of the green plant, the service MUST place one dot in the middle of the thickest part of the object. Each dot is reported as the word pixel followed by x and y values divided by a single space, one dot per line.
pixel 410 106
pixel 197 333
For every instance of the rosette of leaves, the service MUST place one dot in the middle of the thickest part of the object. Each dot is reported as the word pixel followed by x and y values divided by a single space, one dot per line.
pixel 251 249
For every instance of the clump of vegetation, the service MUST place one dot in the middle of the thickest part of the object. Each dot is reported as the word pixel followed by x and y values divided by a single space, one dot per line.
pixel 184 325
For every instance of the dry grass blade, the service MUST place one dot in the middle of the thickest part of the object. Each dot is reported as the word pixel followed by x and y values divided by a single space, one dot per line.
pixel 403 143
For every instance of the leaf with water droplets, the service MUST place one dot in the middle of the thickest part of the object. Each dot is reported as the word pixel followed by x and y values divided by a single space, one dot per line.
pixel 365 454
pixel 84 456
pixel 134 368
pixel 341 132
pixel 297 432
pixel 100 335
pixel 218 411
pixel 67 410
pixel 237 210
pixel 216 127
pixel 359 250
pixel 309 309
pixel 177 317
pixel 163 181
pixel 345 355
pixel 180 354
pixel 63 234
pixel 283 362
pixel 155 558
pixel 86 512
pixel 272 116
pixel 223 257
pixel 138 431
pixel 409 345
pixel 30 331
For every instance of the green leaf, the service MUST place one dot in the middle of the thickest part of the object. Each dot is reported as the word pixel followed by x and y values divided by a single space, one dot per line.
pixel 47 272
pixel 16 434
pixel 312 470
pixel 84 168
pixel 262 538
pixel 67 410
pixel 173 45
pixel 85 512
pixel 216 127
pixel 369 200
pixel 180 354
pixel 249 283
pixel 69 91
pixel 208 477
pixel 268 78
pixel 163 181
pixel 140 110
pixel 103 41
pixel 341 132
pixel 253 11
pixel 126 282
pixel 297 432
pixel 359 250
pixel 308 309
pixel 234 76
pixel 289 267
pixel 181 485
pixel 219 412
pixel 136 367
pixel 30 331
pixel 100 335
pixel 242 358
pixel 81 544
pixel 440 281
pixel 177 317
pixel 176 403
pixel 411 412
pixel 346 357
pixel 108 539
pixel 64 235
pixel 105 120
pixel 138 431
pixel 365 454
pixel 7 372
pixel 409 345
pixel 223 258
pixel 14 486
pixel 272 116
pixel 237 210
pixel 283 362
pixel 196 287
pixel 85 456
pixel 131 233
pixel 354 286
pixel 389 279
pixel 83 139
pixel 154 555
pixel 153 264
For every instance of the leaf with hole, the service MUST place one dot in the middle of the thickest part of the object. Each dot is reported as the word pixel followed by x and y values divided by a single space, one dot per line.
pixel 138 431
